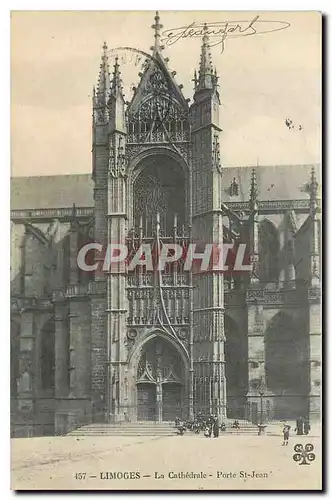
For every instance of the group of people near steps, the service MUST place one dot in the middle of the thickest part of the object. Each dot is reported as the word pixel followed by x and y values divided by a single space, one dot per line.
pixel 302 428
pixel 211 427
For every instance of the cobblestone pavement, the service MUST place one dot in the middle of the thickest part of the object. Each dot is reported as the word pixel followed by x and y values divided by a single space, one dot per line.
pixel 177 462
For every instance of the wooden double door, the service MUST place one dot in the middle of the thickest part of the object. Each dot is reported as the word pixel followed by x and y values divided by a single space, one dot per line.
pixel 166 407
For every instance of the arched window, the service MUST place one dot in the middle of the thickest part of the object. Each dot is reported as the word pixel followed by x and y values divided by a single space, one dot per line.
pixel 159 188
pixel 268 252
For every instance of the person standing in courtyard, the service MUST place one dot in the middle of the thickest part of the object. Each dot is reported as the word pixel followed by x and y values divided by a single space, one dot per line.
pixel 299 426
pixel 210 423
pixel 207 432
pixel 306 426
pixel 215 427
pixel 285 432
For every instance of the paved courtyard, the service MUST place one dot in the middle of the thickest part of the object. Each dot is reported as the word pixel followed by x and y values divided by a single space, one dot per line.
pixel 175 462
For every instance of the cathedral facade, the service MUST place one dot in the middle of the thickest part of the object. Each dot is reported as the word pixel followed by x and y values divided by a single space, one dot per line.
pixel 132 345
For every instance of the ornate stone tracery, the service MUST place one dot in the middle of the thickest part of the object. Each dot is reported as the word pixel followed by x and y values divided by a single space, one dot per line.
pixel 159 188
pixel 158 119
pixel 118 160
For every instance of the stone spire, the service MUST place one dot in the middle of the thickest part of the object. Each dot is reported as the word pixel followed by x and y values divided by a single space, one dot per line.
pixel 206 77
pixel 157 27
pixel 116 84
pixel 116 105
pixel 103 86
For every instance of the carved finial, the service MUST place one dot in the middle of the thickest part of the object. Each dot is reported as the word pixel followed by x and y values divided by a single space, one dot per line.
pixel 313 185
pixel 157 27
pixel 206 77
pixel 116 84
pixel 253 187
pixel 104 77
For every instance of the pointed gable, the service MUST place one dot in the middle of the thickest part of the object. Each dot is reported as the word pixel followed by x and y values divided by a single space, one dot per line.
pixel 158 111
pixel 157 81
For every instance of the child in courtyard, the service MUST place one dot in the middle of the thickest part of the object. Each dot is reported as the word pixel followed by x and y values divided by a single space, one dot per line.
pixel 207 432
pixel 285 432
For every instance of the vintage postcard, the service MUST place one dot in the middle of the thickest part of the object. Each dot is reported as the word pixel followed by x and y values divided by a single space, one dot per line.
pixel 166 250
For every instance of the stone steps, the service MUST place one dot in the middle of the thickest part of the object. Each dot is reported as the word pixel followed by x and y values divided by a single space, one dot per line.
pixel 148 429
pixel 168 429
pixel 128 429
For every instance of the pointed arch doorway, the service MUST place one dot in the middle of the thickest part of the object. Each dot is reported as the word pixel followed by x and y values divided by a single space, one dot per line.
pixel 160 382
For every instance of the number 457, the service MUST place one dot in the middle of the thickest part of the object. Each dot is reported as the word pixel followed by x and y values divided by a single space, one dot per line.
pixel 80 475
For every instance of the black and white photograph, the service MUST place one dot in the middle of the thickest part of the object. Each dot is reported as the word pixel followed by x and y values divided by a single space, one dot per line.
pixel 165 254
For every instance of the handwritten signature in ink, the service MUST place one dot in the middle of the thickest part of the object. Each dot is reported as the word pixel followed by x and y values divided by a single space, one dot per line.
pixel 219 31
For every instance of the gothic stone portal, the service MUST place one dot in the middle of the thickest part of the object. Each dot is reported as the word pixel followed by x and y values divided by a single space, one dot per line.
pixel 160 383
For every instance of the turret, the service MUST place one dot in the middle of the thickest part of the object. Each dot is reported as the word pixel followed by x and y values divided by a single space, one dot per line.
pixel 207 80
pixel 103 86
pixel 100 98
pixel 116 103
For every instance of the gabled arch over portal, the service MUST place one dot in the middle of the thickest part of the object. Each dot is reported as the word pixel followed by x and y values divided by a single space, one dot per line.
pixel 154 333
pixel 159 370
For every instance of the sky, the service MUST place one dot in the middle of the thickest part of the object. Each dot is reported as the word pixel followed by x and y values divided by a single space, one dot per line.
pixel 263 78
